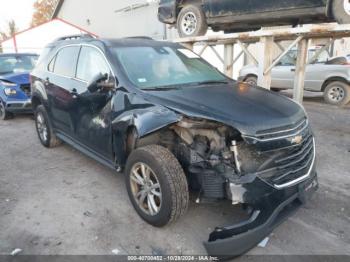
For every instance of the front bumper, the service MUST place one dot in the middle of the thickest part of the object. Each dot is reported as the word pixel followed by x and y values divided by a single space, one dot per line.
pixel 271 211
pixel 19 106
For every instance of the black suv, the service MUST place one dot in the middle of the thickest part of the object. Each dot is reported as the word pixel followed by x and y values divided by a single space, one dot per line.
pixel 173 123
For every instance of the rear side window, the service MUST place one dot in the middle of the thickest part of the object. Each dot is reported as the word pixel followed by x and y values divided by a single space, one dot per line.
pixel 91 62
pixel 65 63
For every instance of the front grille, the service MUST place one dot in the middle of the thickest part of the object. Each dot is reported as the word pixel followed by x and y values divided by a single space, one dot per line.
pixel 285 131
pixel 291 164
pixel 26 89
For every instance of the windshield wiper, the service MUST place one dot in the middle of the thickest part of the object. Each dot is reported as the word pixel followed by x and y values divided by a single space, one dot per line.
pixel 210 82
pixel 161 88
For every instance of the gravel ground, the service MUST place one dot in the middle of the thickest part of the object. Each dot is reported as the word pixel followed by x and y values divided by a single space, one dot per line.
pixel 59 201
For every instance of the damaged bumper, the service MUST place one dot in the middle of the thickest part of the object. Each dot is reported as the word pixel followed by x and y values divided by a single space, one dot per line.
pixel 19 106
pixel 272 210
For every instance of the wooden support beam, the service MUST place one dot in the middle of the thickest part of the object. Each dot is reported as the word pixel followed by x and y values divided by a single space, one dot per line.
pixel 283 54
pixel 203 49
pixel 264 61
pixel 188 45
pixel 299 80
pixel 246 51
pixel 217 54
pixel 228 60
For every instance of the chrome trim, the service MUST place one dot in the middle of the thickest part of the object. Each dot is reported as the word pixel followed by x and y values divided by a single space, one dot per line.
pixel 286 130
pixel 280 137
pixel 304 177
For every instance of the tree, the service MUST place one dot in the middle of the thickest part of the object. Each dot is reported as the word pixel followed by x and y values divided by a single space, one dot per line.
pixel 43 10
pixel 10 31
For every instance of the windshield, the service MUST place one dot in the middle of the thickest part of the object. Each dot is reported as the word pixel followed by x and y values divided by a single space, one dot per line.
pixel 290 58
pixel 161 67
pixel 17 63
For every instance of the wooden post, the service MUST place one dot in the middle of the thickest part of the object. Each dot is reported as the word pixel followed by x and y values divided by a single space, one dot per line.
pixel 188 45
pixel 299 80
pixel 228 60
pixel 265 59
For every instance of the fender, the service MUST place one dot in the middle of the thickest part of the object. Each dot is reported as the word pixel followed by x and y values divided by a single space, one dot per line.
pixel 132 112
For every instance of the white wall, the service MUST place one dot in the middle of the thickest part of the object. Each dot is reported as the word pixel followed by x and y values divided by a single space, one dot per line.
pixel 34 40
pixel 101 17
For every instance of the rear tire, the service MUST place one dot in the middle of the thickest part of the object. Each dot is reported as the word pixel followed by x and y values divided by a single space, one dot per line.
pixel 191 21
pixel 4 114
pixel 157 185
pixel 341 11
pixel 337 93
pixel 44 129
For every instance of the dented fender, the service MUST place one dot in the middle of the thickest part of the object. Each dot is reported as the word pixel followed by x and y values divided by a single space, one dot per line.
pixel 129 111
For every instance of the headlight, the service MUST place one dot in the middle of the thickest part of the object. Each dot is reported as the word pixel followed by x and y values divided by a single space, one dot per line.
pixel 9 91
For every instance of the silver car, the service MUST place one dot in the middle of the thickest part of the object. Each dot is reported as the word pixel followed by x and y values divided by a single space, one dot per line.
pixel 330 76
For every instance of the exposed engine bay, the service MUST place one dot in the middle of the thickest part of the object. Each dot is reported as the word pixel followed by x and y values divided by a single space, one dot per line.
pixel 220 163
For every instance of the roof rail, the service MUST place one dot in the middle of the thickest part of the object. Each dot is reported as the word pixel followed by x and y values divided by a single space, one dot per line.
pixel 139 37
pixel 74 37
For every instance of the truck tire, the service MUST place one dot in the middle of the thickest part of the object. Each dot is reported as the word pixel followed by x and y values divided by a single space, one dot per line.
pixel 157 185
pixel 337 93
pixel 191 21
pixel 341 11
pixel 44 129
pixel 4 114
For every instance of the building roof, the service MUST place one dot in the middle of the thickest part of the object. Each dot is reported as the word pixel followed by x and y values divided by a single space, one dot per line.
pixel 55 19
pixel 57 9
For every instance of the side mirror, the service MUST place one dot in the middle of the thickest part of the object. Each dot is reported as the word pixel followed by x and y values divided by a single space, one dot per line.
pixel 94 84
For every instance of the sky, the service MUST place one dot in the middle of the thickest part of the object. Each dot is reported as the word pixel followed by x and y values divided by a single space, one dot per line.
pixel 19 10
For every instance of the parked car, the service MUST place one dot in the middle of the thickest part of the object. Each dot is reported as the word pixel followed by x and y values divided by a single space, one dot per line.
pixel 328 75
pixel 173 123
pixel 192 18
pixel 14 83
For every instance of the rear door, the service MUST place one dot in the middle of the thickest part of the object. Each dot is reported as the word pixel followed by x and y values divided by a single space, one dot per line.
pixel 241 7
pixel 59 84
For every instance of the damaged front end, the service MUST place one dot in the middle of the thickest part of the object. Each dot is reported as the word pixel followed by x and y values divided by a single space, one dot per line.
pixel 271 173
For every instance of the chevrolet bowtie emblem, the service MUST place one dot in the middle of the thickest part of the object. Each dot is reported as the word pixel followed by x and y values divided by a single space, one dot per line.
pixel 297 140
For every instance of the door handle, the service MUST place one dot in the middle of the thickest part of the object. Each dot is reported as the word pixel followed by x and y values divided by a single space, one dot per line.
pixel 74 93
pixel 293 70
pixel 47 81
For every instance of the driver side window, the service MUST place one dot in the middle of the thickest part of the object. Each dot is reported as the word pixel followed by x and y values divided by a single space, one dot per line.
pixel 91 62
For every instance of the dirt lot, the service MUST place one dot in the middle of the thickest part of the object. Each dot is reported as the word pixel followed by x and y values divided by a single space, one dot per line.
pixel 60 202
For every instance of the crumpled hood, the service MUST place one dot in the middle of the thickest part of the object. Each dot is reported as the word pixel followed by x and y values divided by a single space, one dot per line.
pixel 17 78
pixel 246 108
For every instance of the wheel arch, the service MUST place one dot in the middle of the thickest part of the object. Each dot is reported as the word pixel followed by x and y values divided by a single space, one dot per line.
pixel 133 127
pixel 333 79
pixel 249 75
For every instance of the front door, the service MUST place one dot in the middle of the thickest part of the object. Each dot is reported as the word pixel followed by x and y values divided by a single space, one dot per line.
pixel 92 115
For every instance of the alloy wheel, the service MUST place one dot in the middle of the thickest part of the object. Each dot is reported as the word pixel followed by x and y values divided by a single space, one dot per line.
pixel 189 23
pixel 42 127
pixel 146 189
pixel 336 94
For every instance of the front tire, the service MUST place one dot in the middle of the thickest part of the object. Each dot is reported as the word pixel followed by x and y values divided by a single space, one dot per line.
pixel 337 93
pixel 4 114
pixel 44 129
pixel 341 11
pixel 191 21
pixel 157 185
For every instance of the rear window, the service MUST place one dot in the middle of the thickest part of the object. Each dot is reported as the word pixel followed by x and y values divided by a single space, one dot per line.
pixel 65 62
